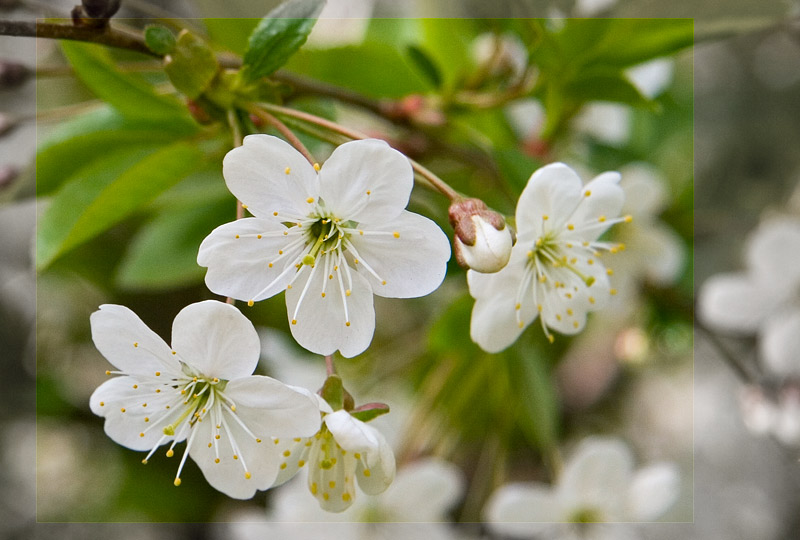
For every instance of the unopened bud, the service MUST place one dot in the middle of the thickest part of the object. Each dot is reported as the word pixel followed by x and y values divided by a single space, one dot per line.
pixel 100 9
pixel 482 240
pixel 13 74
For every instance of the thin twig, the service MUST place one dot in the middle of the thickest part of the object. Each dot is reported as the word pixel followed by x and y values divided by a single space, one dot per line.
pixel 108 35
pixel 744 374
pixel 434 180
pixel 330 367
pixel 284 130
pixel 236 133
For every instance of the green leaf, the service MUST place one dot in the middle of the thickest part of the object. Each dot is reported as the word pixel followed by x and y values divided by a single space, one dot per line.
pixel 107 191
pixel 515 166
pixel 163 254
pixel 425 65
pixel 278 36
pixel 231 33
pixel 614 87
pixel 633 41
pixel 448 42
pixel 191 66
pixel 159 39
pixel 333 392
pixel 77 142
pixel 539 413
pixel 353 67
pixel 132 96
pixel 370 411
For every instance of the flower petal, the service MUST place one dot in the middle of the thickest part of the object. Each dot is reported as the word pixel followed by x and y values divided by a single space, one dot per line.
pixel 493 325
pixel 120 401
pixel 375 472
pixel 366 181
pixel 780 344
pixel 216 339
pixel 273 409
pixel 734 302
pixel 602 199
pixel 653 491
pixel 298 451
pixel 321 324
pixel 425 491
pixel 552 191
pixel 773 252
pixel 412 263
pixel 230 474
pixel 522 510
pixel 330 475
pixel 645 193
pixel 660 249
pixel 350 433
pixel 128 343
pixel 239 262
pixel 256 173
pixel 597 477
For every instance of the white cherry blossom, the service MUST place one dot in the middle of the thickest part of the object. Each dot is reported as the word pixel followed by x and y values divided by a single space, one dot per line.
pixel 331 236
pixel 343 450
pixel 200 390
pixel 597 488
pixel 555 272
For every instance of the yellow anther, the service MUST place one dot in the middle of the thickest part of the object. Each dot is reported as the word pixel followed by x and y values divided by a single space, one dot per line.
pixel 174 353
pixel 283 466
pixel 612 292
pixel 280 252
pixel 558 316
pixel 383 282
pixel 237 236
pixel 326 496
pixel 287 170
pixel 571 227
pixel 332 484
pixel 210 445
pixel 601 219
pixel 233 408
pixel 545 217
pixel 347 323
pixel 235 456
pixel 347 292
pixel 274 213
pixel 247 475
pixel 368 192
pixel 346 497
pixel 144 404
pixel 135 344
pixel 330 276
pixel 287 453
pixel 102 403
pixel 316 167
pixel 177 482
pixel 144 462
pixel 355 261
pixel 170 453
pixel 628 218
pixel 590 261
pixel 258 236
pixel 521 324
pixel 396 234
pixel 158 390
pixel 518 306
pixel 361 233
pixel 135 386
pixel 216 436
pixel 323 295
pixel 550 338
pixel 621 247
pixel 141 434
pixel 244 206
pixel 575 324
pixel 294 321
pixel 314 488
pixel 310 200
pixel 270 265
pixel 539 307
pixel 258 440
pixel 587 193
pixel 542 278
pixel 277 441
pixel 591 299
pixel 609 271
pixel 216 460
pixel 568 295
pixel 122 409
pixel 108 372
pixel 569 312
pixel 367 472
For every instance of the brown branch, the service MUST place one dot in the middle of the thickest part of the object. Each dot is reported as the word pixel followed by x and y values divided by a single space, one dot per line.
pixel 108 36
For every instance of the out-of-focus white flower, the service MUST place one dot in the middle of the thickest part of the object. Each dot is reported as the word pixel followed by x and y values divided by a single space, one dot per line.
pixel 200 390
pixel 598 486
pixel 763 299
pixel 330 236
pixel 506 52
pixel 343 450
pixel 609 123
pixel 341 23
pixel 590 8
pixel 482 242
pixel 554 272
pixel 414 506
pixel 653 77
pixel 773 413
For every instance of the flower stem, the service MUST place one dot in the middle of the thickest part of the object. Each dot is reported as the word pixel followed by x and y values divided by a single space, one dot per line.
pixel 236 133
pixel 432 179
pixel 330 367
pixel 283 129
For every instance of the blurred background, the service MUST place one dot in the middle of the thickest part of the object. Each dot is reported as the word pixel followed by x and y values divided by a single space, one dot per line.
pixel 718 152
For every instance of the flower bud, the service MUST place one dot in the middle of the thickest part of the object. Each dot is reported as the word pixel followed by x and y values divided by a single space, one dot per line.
pixel 482 241
pixel 100 8
pixel 13 74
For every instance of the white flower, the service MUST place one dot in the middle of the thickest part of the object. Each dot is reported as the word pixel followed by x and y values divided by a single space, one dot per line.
pixel 482 241
pixel 555 272
pixel 343 450
pixel 331 238
pixel 200 390
pixel 764 299
pixel 597 486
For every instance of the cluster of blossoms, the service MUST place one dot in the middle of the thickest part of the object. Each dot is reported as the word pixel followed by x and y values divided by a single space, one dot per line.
pixel 331 236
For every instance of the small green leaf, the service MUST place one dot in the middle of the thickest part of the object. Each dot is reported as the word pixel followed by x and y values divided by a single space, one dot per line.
pixel 425 65
pixel 448 43
pixel 132 96
pixel 107 191
pixel 614 87
pixel 333 392
pixel 191 66
pixel 370 411
pixel 278 36
pixel 159 39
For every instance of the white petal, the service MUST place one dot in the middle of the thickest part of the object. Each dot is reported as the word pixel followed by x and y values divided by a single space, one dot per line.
pixel 331 475
pixel 298 453
pixel 653 77
pixel 126 427
pixel 229 475
pixel 425 491
pixel 553 191
pixel 413 264
pixel 493 325
pixel 780 344
pixel 773 253
pixel 597 477
pixel 734 302
pixel 653 491
pixel 352 434
pixel 239 262
pixel 270 408
pixel 375 472
pixel 605 201
pixel 216 339
pixel 321 325
pixel 645 194
pixel 661 250
pixel 256 174
pixel 128 343
pixel 358 167
pixel 522 510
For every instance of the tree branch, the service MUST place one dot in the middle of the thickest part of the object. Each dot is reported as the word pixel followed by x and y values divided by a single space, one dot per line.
pixel 104 36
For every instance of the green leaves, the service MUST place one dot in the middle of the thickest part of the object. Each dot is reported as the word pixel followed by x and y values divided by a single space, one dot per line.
pixel 191 66
pixel 159 39
pixel 278 36
pixel 132 96
pixel 107 191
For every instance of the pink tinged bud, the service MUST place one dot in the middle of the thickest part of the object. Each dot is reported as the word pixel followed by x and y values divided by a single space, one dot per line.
pixel 482 241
